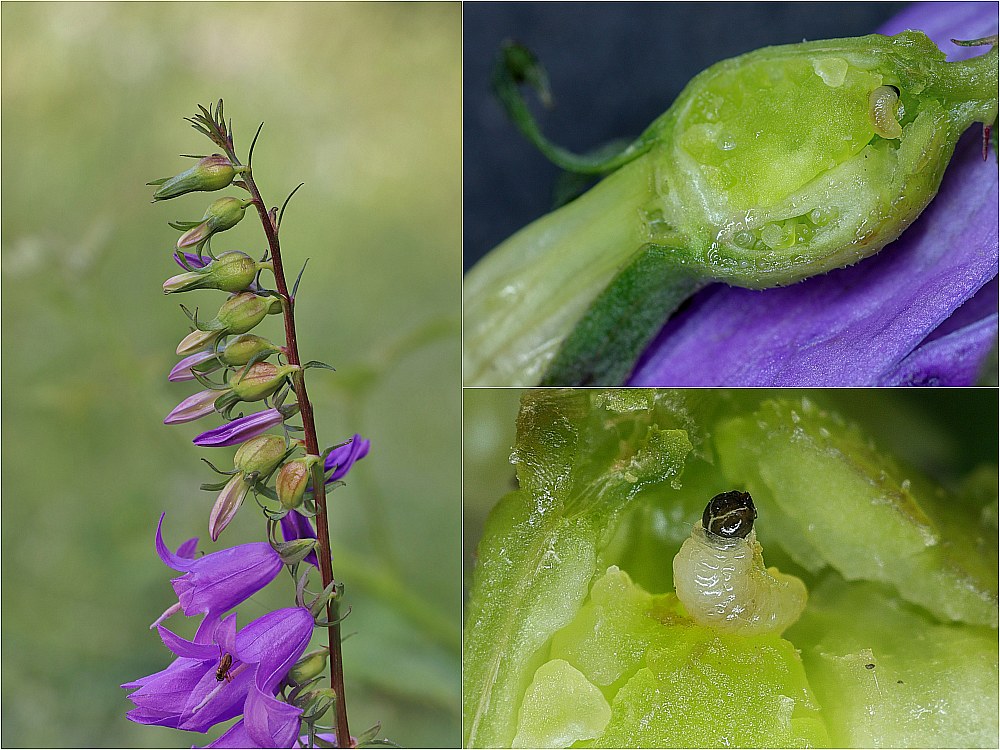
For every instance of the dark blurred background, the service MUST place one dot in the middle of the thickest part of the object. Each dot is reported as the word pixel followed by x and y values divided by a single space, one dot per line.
pixel 362 103
pixel 613 68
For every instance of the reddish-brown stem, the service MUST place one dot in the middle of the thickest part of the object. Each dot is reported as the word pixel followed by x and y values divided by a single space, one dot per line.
pixel 312 447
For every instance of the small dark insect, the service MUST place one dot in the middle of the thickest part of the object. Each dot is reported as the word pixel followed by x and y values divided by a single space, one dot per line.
pixel 869 666
pixel 225 663
pixel 729 514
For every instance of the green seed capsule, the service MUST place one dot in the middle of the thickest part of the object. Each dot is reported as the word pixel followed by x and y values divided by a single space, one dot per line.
pixel 769 168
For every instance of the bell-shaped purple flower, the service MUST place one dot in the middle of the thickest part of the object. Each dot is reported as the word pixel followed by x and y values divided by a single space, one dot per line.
pixel 189 694
pixel 219 581
pixel 241 429
pixel 340 460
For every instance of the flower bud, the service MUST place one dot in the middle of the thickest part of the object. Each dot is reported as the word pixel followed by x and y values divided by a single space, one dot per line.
pixel 210 173
pixel 244 347
pixel 227 503
pixel 183 370
pixel 243 312
pixel 260 381
pixel 223 214
pixel 292 480
pixel 193 407
pixel 260 454
pixel 196 341
pixel 311 665
pixel 230 272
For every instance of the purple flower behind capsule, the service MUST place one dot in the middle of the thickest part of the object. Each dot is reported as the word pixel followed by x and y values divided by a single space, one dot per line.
pixel 240 429
pixel 340 460
pixel 294 526
pixel 219 581
pixel 182 370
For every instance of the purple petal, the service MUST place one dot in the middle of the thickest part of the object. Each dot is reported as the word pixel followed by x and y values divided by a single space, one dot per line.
pixel 182 370
pixel 187 649
pixel 193 407
pixel 952 359
pixel 222 580
pixel 343 458
pixel 294 526
pixel 234 737
pixel 270 722
pixel 192 260
pixel 240 430
pixel 178 561
pixel 275 642
pixel 855 326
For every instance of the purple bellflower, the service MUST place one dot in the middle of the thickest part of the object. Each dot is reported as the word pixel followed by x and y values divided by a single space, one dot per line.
pixel 340 460
pixel 219 581
pixel 921 312
pixel 189 694
pixel 240 430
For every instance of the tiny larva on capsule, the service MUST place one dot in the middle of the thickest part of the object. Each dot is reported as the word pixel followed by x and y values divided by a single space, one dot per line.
pixel 720 578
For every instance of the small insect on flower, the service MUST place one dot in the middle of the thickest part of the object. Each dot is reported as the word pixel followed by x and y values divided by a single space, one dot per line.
pixel 225 664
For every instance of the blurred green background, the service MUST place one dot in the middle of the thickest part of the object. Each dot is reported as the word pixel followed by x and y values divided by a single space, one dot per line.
pixel 362 103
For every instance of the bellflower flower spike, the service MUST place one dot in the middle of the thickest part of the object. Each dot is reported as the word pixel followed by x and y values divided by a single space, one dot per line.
pixel 340 460
pixel 219 581
pixel 188 695
pixel 242 429
pixel 192 408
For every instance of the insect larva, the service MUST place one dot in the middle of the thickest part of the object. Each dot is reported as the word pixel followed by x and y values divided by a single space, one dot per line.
pixel 883 108
pixel 720 577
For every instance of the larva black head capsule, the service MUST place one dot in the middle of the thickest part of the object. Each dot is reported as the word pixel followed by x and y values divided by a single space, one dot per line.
pixel 729 514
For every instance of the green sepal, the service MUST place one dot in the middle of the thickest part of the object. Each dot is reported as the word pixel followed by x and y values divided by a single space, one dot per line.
pixel 292 553
pixel 608 339
pixel 516 64
pixel 183 226
pixel 159 181
pixel 317 363
pixel 215 486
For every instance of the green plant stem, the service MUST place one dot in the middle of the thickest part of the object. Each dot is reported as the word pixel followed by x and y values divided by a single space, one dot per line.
pixel 312 447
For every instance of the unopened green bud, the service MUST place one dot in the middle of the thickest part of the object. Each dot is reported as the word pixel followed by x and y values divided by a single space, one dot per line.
pixel 225 213
pixel 259 381
pixel 244 311
pixel 310 666
pixel 244 347
pixel 196 341
pixel 261 454
pixel 222 214
pixel 291 482
pixel 210 173
pixel 230 272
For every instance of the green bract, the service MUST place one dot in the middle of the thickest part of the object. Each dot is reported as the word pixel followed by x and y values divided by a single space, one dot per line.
pixel 771 167
pixel 575 637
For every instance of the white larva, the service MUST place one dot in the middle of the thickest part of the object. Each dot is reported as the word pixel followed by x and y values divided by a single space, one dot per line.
pixel 722 583
pixel 883 108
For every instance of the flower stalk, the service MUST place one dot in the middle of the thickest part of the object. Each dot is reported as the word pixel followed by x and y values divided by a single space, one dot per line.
pixel 269 224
